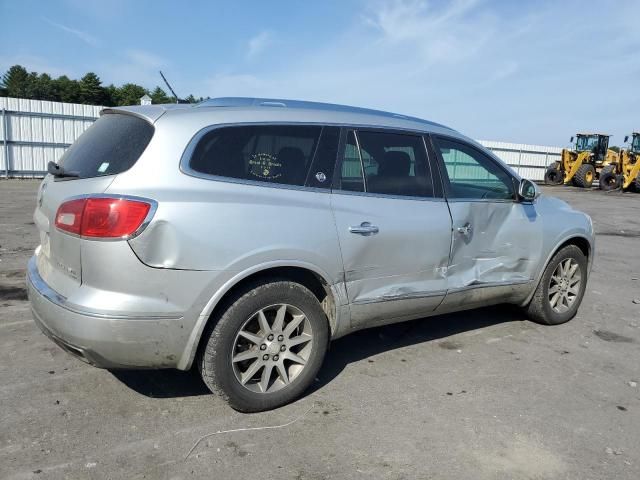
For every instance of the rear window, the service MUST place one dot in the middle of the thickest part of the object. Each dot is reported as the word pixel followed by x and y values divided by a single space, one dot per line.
pixel 266 153
pixel 110 146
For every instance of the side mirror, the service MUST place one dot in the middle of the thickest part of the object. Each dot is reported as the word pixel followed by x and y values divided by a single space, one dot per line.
pixel 626 138
pixel 528 191
pixel 571 140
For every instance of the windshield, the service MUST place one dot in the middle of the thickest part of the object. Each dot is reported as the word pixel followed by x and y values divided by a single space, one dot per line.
pixel 585 143
pixel 635 146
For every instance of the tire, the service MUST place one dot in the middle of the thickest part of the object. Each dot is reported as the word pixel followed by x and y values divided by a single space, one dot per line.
pixel 608 178
pixel 541 308
pixel 223 376
pixel 584 176
pixel 553 175
pixel 636 183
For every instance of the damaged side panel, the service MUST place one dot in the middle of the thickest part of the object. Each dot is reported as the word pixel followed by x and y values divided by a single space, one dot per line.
pixel 494 244
pixel 396 271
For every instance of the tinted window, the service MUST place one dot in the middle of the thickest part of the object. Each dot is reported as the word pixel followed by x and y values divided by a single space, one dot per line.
pixel 110 146
pixel 394 164
pixel 324 161
pixel 472 174
pixel 351 178
pixel 267 153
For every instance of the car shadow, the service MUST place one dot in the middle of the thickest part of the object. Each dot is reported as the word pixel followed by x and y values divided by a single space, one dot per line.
pixel 349 349
pixel 371 342
pixel 163 383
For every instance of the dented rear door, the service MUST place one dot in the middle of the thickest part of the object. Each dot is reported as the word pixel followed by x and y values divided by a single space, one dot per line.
pixel 496 241
pixel 395 246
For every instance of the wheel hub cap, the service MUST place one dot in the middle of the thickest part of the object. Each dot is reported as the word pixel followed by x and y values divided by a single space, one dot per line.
pixel 564 285
pixel 272 348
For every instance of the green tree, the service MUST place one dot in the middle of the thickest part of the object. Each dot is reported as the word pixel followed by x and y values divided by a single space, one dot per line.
pixel 16 82
pixel 67 90
pixel 130 93
pixel 111 95
pixel 614 148
pixel 160 96
pixel 42 87
pixel 91 91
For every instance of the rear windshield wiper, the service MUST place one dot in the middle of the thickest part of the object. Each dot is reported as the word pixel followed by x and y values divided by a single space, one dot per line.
pixel 59 172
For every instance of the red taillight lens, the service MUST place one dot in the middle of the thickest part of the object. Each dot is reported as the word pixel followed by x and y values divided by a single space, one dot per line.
pixel 102 217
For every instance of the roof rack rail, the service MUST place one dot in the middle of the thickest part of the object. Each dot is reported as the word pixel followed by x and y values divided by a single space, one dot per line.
pixel 302 104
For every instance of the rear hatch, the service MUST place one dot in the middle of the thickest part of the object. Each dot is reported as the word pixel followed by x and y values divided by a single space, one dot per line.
pixel 110 146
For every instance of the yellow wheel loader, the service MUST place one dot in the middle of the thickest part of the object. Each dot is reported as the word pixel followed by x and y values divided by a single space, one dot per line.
pixel 625 173
pixel 582 166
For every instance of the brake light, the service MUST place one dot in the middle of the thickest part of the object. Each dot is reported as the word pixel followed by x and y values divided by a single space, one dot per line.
pixel 102 217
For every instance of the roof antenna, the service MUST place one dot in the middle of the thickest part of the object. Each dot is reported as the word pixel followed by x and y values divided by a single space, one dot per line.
pixel 178 100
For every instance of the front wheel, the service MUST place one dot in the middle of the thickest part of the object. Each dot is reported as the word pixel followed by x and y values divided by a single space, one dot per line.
pixel 561 288
pixel 608 178
pixel 553 175
pixel 584 176
pixel 266 347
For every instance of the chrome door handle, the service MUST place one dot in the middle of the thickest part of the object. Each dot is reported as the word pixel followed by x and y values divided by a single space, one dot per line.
pixel 466 230
pixel 365 228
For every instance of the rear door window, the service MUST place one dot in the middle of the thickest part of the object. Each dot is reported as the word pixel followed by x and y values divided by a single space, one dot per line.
pixel 391 164
pixel 110 146
pixel 280 154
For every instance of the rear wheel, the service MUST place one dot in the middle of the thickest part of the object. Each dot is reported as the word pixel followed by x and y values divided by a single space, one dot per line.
pixel 608 178
pixel 267 346
pixel 561 288
pixel 553 175
pixel 584 176
pixel 636 183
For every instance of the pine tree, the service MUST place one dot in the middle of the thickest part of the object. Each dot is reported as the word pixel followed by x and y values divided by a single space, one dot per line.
pixel 91 91
pixel 16 82
pixel 160 96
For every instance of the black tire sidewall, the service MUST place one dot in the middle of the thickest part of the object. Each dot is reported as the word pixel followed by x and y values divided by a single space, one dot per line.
pixel 580 178
pixel 215 362
pixel 571 251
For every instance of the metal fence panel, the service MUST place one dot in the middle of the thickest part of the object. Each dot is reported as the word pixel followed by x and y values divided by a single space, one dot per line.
pixel 35 132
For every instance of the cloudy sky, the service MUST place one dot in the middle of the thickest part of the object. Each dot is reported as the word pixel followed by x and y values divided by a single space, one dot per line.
pixel 520 71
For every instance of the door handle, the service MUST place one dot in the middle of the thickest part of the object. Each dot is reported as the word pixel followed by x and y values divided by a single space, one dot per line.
pixel 466 230
pixel 365 228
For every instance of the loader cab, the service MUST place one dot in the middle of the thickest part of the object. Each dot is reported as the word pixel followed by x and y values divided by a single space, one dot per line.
pixel 598 144
pixel 635 143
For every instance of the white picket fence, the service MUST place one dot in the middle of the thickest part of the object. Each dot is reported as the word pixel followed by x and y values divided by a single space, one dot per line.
pixel 34 132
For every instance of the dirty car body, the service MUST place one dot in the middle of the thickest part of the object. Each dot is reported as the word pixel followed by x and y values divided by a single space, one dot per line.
pixel 385 217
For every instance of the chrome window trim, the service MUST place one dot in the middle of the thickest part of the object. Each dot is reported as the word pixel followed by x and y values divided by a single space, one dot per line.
pixel 185 158
pixel 141 228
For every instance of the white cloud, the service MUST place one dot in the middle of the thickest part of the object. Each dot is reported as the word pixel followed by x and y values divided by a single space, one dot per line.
pixel 259 43
pixel 145 59
pixel 507 73
pixel 84 36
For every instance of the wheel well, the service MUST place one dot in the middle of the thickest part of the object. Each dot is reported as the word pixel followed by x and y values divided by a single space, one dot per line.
pixel 580 242
pixel 314 282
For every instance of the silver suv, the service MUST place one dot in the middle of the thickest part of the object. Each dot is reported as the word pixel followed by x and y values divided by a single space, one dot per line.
pixel 243 234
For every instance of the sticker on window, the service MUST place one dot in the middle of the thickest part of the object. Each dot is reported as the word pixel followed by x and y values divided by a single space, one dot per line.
pixel 265 166
pixel 103 167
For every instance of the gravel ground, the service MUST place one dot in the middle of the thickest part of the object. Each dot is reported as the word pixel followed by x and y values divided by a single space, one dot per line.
pixel 476 395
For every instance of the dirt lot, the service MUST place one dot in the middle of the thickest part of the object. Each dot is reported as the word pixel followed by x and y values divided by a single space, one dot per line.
pixel 475 395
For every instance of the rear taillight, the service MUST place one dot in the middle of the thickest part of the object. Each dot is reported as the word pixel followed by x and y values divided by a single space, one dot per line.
pixel 102 217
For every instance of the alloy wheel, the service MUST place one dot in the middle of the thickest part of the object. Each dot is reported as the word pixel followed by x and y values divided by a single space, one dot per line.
pixel 272 348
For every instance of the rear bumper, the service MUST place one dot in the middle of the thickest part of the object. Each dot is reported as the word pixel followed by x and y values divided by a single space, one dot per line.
pixel 105 340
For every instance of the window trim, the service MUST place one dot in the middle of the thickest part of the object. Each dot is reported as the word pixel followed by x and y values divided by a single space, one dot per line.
pixel 436 195
pixel 446 181
pixel 185 158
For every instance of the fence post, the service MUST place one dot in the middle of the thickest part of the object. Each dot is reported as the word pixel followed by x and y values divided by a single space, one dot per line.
pixel 5 141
